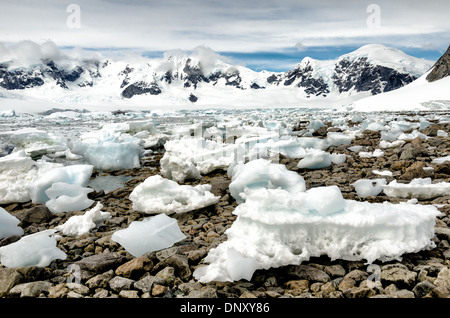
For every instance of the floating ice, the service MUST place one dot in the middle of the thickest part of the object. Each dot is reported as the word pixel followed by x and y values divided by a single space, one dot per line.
pixel 38 249
pixel 17 171
pixel 65 197
pixel 9 224
pixel 419 188
pixel 81 224
pixel 277 228
pixel 262 173
pixel 159 195
pixel 150 234
pixel 369 187
pixel 315 159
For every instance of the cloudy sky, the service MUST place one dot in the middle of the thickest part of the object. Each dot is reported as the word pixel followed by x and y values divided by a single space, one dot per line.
pixel 262 34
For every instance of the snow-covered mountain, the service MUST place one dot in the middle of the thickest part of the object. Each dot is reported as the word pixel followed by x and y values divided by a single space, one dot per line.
pixel 204 78
pixel 429 91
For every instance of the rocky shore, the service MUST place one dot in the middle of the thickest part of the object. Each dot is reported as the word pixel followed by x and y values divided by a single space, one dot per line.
pixel 98 267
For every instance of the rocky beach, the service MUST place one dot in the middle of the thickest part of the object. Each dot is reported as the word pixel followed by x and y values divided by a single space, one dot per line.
pixel 98 267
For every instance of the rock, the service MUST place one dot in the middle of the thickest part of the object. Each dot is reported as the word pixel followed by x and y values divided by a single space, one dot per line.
pixel 159 290
pixel 192 285
pixel 31 289
pixel 179 263
pixel 100 280
pixel 410 153
pixel 443 280
pixel 352 279
pixel 335 270
pixel 297 287
pixel 442 233
pixel 128 294
pixel 423 288
pixel 9 240
pixel 399 275
pixel 403 293
pixel 247 294
pixel 309 273
pixel 58 291
pixel 204 292
pixel 119 283
pixel 416 170
pixel 145 284
pixel 9 277
pixel 167 275
pixel 37 214
pixel 78 288
pixel 135 268
pixel 101 262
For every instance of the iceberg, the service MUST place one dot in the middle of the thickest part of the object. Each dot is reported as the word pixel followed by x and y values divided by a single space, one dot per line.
pixel 150 234
pixel 38 249
pixel 277 228
pixel 419 188
pixel 82 224
pixel 160 195
pixel 9 224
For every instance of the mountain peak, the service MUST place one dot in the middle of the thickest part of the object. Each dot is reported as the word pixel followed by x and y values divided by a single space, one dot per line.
pixel 441 68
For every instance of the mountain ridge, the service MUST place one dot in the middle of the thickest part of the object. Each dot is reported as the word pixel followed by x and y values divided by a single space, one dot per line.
pixel 370 70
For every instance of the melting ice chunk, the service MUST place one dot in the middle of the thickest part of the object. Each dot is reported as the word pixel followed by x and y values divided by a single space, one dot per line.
pixel 81 224
pixel 76 174
pixel 38 249
pixel 8 224
pixel 159 195
pixel 150 234
pixel 368 187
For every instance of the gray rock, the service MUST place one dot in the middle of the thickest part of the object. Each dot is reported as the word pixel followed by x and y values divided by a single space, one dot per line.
pixel 119 283
pixel 145 285
pixel 100 263
pixel 9 277
pixel 168 275
pixel 399 275
pixel 100 280
pixel 179 263
pixel 423 288
pixel 31 289
pixel 205 292
pixel 308 272
pixel 36 214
